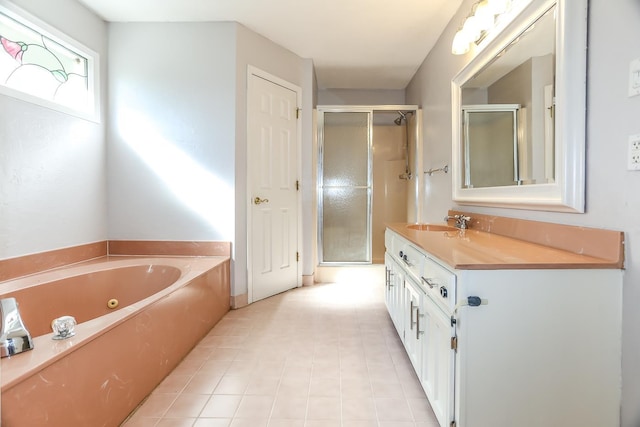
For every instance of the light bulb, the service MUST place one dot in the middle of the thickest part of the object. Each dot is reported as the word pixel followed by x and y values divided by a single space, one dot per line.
pixel 498 6
pixel 460 44
pixel 472 28
pixel 485 17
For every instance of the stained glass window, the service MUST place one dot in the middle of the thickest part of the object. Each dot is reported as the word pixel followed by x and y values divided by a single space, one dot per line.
pixel 45 66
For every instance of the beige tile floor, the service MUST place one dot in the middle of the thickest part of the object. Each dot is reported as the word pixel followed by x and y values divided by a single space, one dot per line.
pixel 319 356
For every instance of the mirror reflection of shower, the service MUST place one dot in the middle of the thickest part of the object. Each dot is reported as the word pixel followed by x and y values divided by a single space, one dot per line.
pixel 407 175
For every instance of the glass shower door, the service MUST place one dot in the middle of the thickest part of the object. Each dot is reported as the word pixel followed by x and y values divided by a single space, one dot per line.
pixel 345 187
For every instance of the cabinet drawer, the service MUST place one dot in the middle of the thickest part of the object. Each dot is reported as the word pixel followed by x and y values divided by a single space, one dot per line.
pixel 388 240
pixel 408 256
pixel 413 261
pixel 441 284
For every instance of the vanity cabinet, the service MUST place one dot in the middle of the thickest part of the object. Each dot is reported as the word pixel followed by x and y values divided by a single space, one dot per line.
pixel 423 326
pixel 503 347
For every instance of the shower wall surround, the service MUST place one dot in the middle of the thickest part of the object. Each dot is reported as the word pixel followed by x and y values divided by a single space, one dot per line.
pixel 390 193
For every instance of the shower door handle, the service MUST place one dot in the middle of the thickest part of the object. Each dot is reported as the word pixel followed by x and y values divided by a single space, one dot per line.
pixel 259 201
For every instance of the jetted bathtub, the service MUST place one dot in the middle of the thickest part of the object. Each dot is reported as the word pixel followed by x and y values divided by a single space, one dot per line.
pixel 137 318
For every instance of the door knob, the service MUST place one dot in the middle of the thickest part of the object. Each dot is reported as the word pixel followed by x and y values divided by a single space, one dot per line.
pixel 259 201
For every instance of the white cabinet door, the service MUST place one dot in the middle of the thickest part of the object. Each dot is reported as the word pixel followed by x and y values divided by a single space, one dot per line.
pixel 388 286
pixel 414 327
pixel 394 293
pixel 438 363
pixel 398 296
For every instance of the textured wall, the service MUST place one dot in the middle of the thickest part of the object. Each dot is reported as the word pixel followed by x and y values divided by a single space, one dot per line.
pixel 52 165
pixel 171 131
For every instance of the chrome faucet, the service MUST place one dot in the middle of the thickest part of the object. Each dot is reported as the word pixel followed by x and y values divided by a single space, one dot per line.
pixel 14 337
pixel 462 222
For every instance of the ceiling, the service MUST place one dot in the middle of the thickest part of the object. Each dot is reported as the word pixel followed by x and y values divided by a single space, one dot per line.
pixel 354 44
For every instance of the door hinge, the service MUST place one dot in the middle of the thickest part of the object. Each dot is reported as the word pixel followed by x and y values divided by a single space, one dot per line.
pixel 297 256
pixel 454 343
pixel 297 185
pixel 298 110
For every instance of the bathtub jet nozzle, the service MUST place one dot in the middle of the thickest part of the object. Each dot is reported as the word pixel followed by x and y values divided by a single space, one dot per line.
pixel 14 337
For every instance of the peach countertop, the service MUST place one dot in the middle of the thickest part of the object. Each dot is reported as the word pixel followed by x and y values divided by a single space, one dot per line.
pixel 478 250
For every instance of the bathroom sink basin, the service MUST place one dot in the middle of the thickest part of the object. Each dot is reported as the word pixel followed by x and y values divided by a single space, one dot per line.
pixel 431 227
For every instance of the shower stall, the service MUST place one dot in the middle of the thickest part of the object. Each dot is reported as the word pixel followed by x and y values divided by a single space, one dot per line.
pixel 368 158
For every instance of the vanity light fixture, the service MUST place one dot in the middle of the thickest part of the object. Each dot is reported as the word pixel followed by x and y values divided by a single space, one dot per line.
pixel 484 14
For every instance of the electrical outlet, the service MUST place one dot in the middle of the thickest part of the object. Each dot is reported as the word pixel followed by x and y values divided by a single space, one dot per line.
pixel 633 158
pixel 634 77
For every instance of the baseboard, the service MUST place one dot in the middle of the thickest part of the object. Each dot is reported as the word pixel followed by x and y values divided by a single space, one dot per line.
pixel 239 301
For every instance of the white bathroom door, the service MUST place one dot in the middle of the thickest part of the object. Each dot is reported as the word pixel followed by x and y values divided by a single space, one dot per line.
pixel 273 188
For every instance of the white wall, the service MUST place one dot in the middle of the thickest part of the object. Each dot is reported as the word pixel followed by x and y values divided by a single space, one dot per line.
pixel 309 160
pixel 613 193
pixel 360 97
pixel 171 131
pixel 613 200
pixel 52 165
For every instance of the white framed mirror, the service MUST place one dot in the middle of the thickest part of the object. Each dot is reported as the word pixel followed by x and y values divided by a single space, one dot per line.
pixel 538 62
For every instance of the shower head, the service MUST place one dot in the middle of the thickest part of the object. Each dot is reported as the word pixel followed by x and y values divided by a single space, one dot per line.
pixel 403 116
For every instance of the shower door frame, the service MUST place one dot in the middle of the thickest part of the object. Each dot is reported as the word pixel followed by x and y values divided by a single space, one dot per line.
pixel 417 165
pixel 343 109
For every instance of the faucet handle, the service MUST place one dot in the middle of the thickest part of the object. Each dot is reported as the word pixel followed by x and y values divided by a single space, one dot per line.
pixel 463 221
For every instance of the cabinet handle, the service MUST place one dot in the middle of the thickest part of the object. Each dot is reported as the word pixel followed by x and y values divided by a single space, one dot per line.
pixel 389 274
pixel 411 322
pixel 429 282
pixel 418 316
pixel 443 292
pixel 406 261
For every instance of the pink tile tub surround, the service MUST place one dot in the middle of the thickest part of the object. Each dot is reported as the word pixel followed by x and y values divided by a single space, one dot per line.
pixel 30 264
pixel 163 247
pixel 13 268
pixel 97 377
